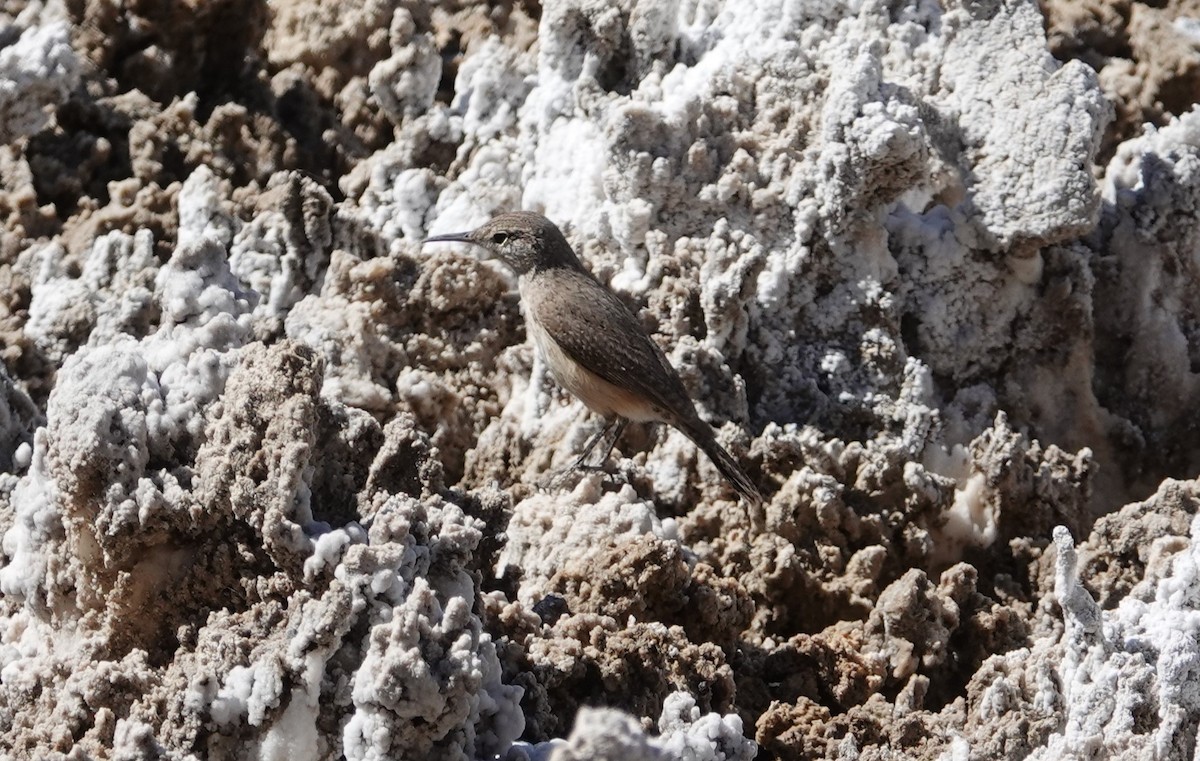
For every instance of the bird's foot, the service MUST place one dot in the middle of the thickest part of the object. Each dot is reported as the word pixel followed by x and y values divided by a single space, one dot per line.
pixel 562 478
pixel 605 469
pixel 570 476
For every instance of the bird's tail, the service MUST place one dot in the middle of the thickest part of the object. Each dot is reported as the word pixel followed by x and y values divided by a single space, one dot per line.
pixel 702 435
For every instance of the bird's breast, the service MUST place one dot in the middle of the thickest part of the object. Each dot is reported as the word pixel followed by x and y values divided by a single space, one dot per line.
pixel 601 396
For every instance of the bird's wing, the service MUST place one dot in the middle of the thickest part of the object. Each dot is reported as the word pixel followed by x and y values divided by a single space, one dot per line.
pixel 600 333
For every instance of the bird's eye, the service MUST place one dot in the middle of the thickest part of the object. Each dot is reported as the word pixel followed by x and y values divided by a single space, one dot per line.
pixel 499 238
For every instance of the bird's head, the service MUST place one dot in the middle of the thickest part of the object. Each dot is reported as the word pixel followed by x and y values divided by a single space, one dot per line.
pixel 523 240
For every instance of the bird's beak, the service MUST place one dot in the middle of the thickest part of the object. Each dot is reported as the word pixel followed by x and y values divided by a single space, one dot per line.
pixel 449 238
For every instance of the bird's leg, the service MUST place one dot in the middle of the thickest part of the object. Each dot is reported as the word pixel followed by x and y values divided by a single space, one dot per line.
pixel 561 476
pixel 595 439
pixel 612 441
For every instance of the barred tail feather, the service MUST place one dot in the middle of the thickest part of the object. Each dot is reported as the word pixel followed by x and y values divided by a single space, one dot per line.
pixel 704 438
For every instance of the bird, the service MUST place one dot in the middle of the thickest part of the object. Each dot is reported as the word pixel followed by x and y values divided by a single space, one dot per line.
pixel 592 343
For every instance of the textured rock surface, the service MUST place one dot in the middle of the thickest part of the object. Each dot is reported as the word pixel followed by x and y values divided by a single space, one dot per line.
pixel 275 482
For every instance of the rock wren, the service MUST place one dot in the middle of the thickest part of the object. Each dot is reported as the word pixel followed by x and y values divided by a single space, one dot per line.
pixel 592 344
